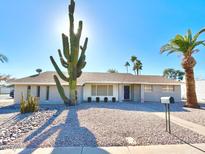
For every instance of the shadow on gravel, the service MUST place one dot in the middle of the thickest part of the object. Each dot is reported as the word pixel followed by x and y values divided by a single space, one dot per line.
pixel 9 108
pixel 133 106
pixel 188 143
pixel 69 133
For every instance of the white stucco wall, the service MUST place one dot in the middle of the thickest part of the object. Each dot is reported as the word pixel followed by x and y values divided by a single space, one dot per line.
pixel 157 93
pixel 87 92
pixel 84 92
pixel 200 90
pixel 54 97
pixel 137 93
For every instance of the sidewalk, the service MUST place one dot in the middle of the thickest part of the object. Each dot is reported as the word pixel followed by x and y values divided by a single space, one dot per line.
pixel 153 149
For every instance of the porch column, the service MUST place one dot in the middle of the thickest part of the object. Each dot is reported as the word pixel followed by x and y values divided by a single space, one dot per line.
pixel 120 93
pixel 142 93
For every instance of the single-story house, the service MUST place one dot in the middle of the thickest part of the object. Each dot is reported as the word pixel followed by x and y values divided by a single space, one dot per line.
pixel 121 86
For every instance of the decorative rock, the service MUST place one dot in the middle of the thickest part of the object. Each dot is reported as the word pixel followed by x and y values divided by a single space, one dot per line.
pixel 13 138
pixel 5 141
pixel 15 128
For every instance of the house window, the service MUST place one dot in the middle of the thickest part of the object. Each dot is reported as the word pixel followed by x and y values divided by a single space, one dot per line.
pixel 28 91
pixel 148 88
pixel 168 88
pixel 102 90
pixel 110 90
pixel 93 90
pixel 38 91
pixel 47 93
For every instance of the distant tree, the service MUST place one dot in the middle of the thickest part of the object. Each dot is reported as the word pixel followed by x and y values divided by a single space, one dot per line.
pixel 3 58
pixel 169 73
pixel 112 70
pixel 180 75
pixel 138 66
pixel 173 74
pixel 5 77
pixel 127 65
pixel 38 70
pixel 134 60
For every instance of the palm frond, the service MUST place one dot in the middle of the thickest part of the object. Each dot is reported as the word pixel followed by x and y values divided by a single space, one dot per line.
pixel 198 43
pixel 169 48
pixel 197 34
pixel 189 35
pixel 3 58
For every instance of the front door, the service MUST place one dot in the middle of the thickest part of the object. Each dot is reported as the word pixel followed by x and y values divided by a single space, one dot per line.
pixel 126 92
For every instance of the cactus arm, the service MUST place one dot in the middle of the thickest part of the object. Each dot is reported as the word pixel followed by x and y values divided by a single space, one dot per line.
pixel 81 62
pixel 62 76
pixel 63 62
pixel 66 48
pixel 71 12
pixel 85 45
pixel 80 27
pixel 60 89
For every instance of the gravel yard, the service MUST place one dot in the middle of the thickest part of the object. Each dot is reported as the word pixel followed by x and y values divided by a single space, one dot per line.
pixel 177 109
pixel 96 124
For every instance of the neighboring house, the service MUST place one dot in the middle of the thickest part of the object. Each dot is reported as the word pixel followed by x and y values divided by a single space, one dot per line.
pixel 5 87
pixel 200 90
pixel 122 86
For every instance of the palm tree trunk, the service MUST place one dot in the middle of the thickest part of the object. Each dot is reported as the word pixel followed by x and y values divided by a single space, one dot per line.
pixel 137 71
pixel 190 89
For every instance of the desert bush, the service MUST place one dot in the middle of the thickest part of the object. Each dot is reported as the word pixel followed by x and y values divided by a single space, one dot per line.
pixel 29 105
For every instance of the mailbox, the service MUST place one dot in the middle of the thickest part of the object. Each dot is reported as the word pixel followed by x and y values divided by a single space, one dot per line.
pixel 167 100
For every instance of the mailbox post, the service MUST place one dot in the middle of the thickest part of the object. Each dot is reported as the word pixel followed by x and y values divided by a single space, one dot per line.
pixel 167 101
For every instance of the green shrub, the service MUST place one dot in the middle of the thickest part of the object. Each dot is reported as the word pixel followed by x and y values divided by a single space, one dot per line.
pixel 29 105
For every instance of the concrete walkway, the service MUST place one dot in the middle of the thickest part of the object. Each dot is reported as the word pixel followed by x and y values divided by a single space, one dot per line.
pixel 153 149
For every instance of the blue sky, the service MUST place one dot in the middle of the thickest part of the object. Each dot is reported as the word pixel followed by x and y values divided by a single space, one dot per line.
pixel 30 31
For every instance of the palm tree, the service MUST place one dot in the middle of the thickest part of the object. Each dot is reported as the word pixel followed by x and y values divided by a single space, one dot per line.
pixel 169 73
pixel 186 45
pixel 3 58
pixel 138 66
pixel 134 60
pixel 173 74
pixel 112 70
pixel 180 75
pixel 127 64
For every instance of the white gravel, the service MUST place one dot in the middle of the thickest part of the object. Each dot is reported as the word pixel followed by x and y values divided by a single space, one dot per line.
pixel 103 124
pixel 177 109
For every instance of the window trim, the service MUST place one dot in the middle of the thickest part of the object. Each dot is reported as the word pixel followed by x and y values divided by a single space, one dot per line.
pixel 47 92
pixel 93 90
pixel 28 91
pixel 38 91
pixel 146 89
pixel 107 90
pixel 167 89
pixel 103 90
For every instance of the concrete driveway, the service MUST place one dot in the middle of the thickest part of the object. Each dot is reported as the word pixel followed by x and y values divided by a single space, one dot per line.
pixel 7 110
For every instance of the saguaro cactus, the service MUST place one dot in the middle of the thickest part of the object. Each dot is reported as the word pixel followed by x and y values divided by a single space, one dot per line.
pixel 74 61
